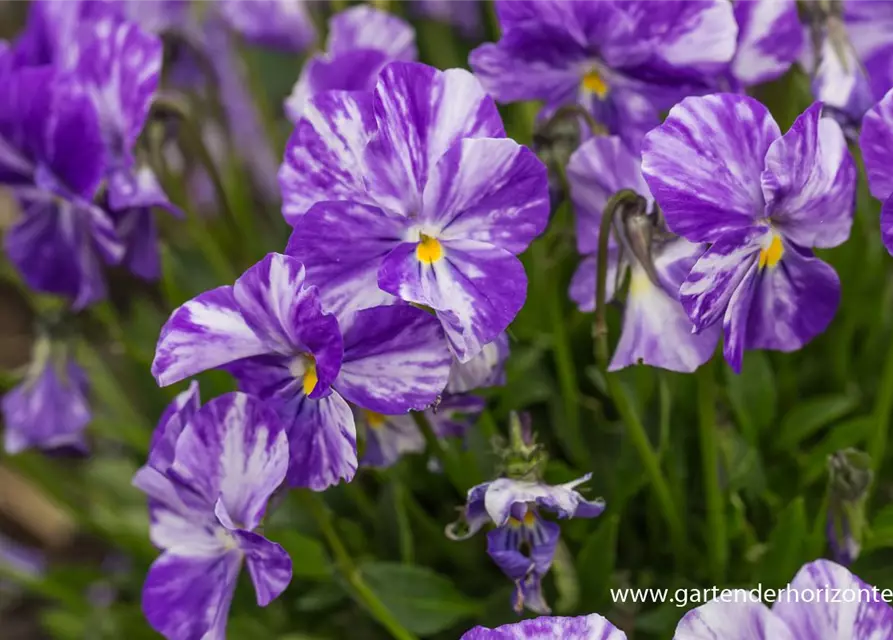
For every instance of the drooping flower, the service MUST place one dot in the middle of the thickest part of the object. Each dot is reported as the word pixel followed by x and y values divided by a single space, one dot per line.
pixel 812 607
pixel 271 332
pixel 722 173
pixel 49 408
pixel 589 627
pixel 656 329
pixel 623 61
pixel 362 40
pixel 770 40
pixel 413 191
pixel 876 142
pixel 486 369
pixel 210 473
pixel 279 24
pixel 388 438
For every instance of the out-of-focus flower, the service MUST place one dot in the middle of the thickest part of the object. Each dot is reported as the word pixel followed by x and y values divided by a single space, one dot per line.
pixel 770 40
pixel 388 438
pixel 849 480
pixel 722 173
pixel 465 15
pixel 876 142
pixel 737 616
pixel 49 409
pixel 279 24
pixel 656 329
pixel 210 473
pixel 589 627
pixel 421 198
pixel 486 369
pixel 362 40
pixel 271 332
pixel 623 61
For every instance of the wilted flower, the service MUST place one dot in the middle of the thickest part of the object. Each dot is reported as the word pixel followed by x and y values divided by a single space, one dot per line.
pixel 589 627
pixel 362 40
pixel 271 332
pixel 656 329
pixel 722 173
pixel 422 198
pixel 770 40
pixel 210 473
pixel 876 142
pixel 839 605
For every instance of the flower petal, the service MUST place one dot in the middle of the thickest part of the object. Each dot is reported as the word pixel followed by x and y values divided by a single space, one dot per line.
pixel 703 164
pixel 365 27
pixel 268 563
pixel 503 493
pixel 584 281
pixel 178 520
pixel 578 628
pixel 475 288
pixel 234 449
pixel 323 442
pixel 190 597
pixel 887 224
pixel 876 141
pixel 484 370
pixel 421 112
pixel 205 333
pixel 388 438
pixel 770 39
pixel 810 182
pixel 324 155
pixel 504 547
pixel 741 619
pixel 395 359
pixel 487 190
pixel 342 245
pixel 279 24
pixel 860 613
pixel 175 417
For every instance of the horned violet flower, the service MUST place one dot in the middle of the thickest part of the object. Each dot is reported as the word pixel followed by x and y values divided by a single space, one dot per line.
pixel 622 61
pixel 362 40
pixel 722 173
pixel 656 329
pixel 770 40
pixel 210 473
pixel 876 142
pixel 271 332
pixel 420 198
pixel 589 627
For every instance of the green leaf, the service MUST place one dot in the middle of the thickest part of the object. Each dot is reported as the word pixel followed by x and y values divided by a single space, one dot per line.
pixel 308 556
pixel 784 549
pixel 753 395
pixel 810 416
pixel 881 531
pixel 422 600
pixel 596 561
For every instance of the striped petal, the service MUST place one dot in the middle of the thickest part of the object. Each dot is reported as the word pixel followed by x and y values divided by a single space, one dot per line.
pixel 268 564
pixel 365 27
pixel 280 24
pixel 876 141
pixel 563 499
pixel 322 439
pixel 175 417
pixel 740 619
pixel 770 39
pixel 588 627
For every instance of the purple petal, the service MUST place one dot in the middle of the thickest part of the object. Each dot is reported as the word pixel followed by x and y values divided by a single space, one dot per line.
pixel 278 304
pixel 234 449
pixel 868 25
pixel 268 564
pixel 475 514
pixel 503 545
pixel 492 191
pixel 388 438
pixel 395 359
pixel 484 370
pixel 583 284
pixel 175 417
pixel 342 245
pixel 475 288
pixel 503 493
pixel 205 333
pixel 179 520
pixel 323 443
pixel 324 156
pixel 841 84
pixel 280 24
pixel 189 597
pixel 887 224
pixel 543 628
pixel 876 141
pixel 810 182
pixel 365 27
pixel 421 112
pixel 137 230
pixel 704 162
pixel 740 619
pixel 770 39
pixel 455 414
pixel 138 188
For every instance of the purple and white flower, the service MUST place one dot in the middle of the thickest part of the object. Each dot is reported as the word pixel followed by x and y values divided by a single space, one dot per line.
pixel 808 610
pixel 723 173
pixel 271 332
pixel 210 473
pixel 362 40
pixel 591 627
pixel 623 61
pixel 523 543
pixel 486 369
pixel 278 24
pixel 49 408
pixel 876 142
pixel 770 40
pixel 656 329
pixel 412 192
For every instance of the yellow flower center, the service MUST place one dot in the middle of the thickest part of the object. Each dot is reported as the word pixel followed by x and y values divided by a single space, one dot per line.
pixel 639 282
pixel 529 518
pixel 429 249
pixel 769 256
pixel 374 419
pixel 310 376
pixel 594 83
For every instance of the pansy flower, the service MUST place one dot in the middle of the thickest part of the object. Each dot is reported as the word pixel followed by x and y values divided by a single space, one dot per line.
pixel 589 627
pixel 722 173
pixel 49 409
pixel 277 24
pixel 770 40
pixel 210 473
pixel 412 191
pixel 362 40
pixel 486 369
pixel 656 330
pixel 876 142
pixel 270 331
pixel 622 61
pixel 388 438
pixel 861 614
pixel 523 543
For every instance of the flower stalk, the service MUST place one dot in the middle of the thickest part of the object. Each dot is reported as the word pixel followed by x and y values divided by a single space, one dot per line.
pixel 717 548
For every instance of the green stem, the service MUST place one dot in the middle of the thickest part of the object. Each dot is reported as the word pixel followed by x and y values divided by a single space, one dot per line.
pixel 883 405
pixel 717 550
pixel 349 570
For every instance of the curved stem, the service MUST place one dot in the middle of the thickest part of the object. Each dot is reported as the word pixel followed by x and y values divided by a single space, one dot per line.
pixel 349 570
pixel 575 110
pixel 717 551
